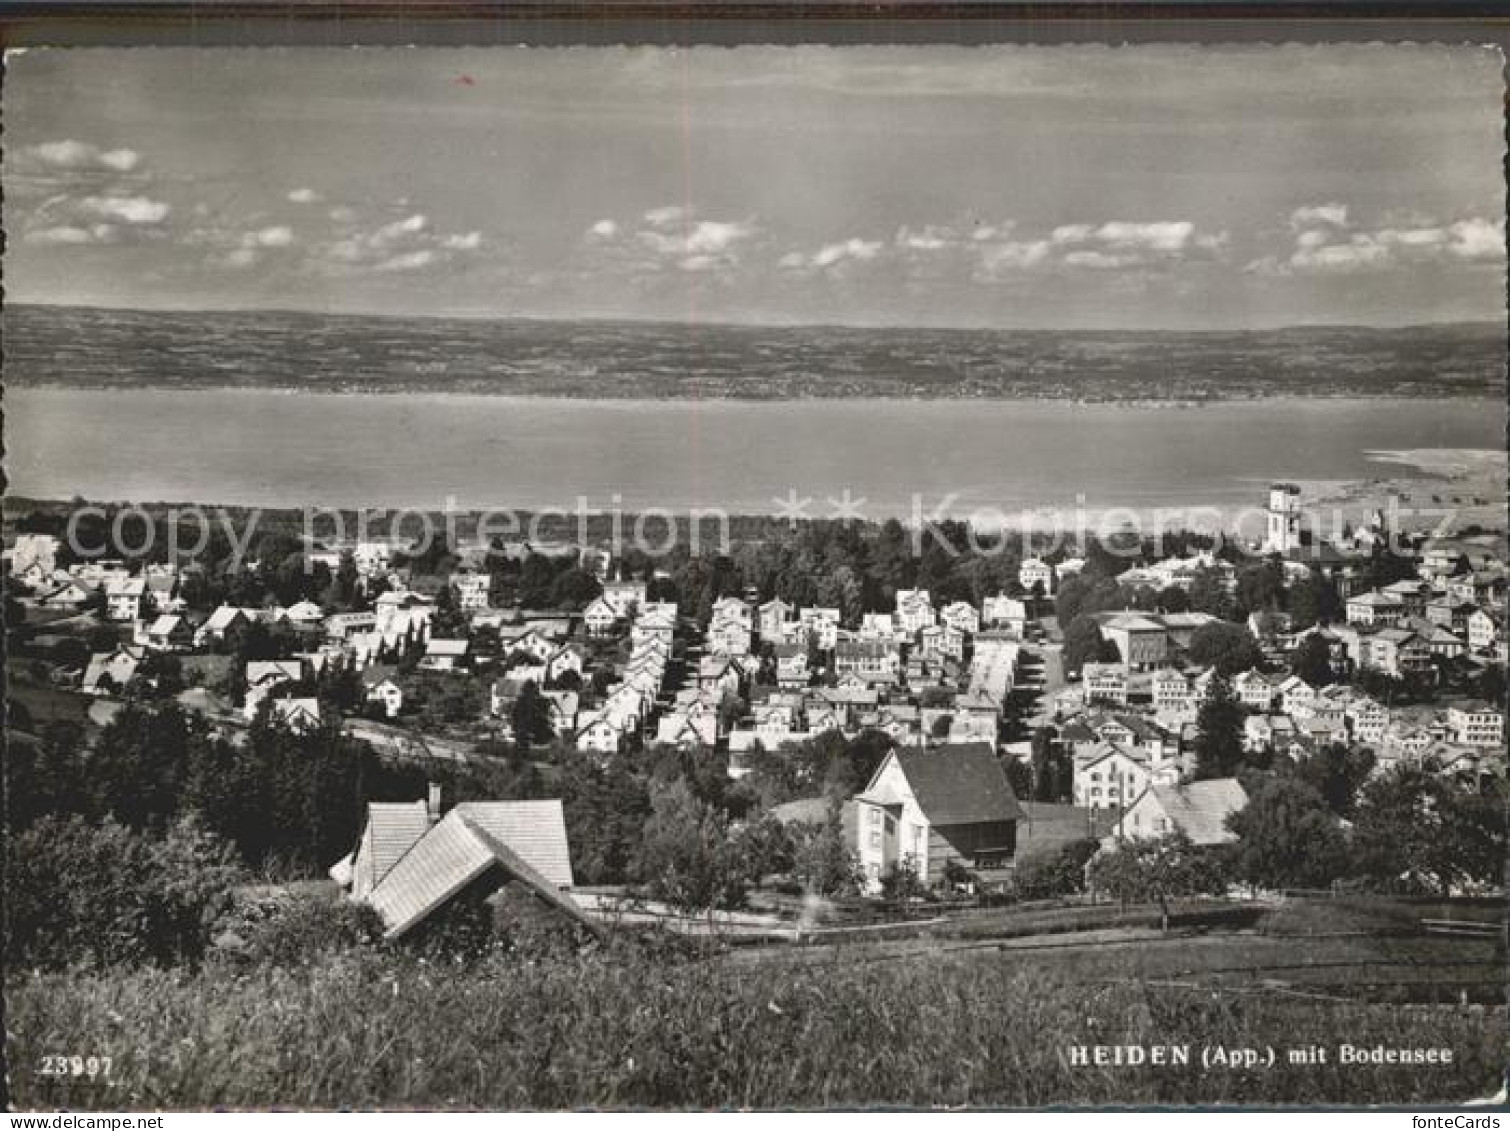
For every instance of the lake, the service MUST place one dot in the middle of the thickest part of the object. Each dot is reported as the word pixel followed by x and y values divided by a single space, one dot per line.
pixel 272 448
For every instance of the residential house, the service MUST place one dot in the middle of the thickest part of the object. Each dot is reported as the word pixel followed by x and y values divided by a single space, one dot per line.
pixel 942 640
pixel 1398 652
pixel 566 658
pixel 1174 694
pixel 773 618
pixel 1296 696
pixel 61 592
pixel 1104 683
pixel 821 623
pixel 792 666
pixel 472 590
pixel 914 610
pixel 1254 690
pixel 304 615
pixel 411 861
pixel 1110 777
pixel 1485 629
pixel 1367 719
pixel 1451 614
pixel 1036 572
pixel 868 659
pixel 108 673
pixel 262 677
pixel 601 616
pixel 124 598
pixel 380 687
pixel 961 616
pixel 300 715
pixel 167 633
pixel 521 639
pixel 926 808
pixel 627 597
pixel 599 735
pixel 1198 809
pixel 223 620
pixel 879 626
pixel 1268 732
pixel 1477 724
pixel 443 654
pixel 1375 609
pixel 719 674
pixel 1007 613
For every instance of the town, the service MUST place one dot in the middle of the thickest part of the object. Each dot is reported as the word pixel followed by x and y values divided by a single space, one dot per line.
pixel 955 735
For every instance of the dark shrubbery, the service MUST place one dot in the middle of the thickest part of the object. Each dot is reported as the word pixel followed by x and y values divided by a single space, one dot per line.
pixel 100 895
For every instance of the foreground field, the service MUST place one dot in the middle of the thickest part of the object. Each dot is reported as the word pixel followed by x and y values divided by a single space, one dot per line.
pixel 978 1027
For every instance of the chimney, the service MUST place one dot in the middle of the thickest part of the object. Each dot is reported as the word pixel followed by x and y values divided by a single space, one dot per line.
pixel 432 803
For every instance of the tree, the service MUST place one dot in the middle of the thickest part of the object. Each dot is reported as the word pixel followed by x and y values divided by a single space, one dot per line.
pixel 1218 731
pixel 1208 593
pixel 1155 869
pixel 1230 648
pixel 1337 772
pixel 1312 660
pixel 686 855
pixel 1058 874
pixel 1418 830
pixel 102 895
pixel 1083 644
pixel 1313 600
pixel 1173 599
pixel 531 717
pixel 140 764
pixel 1288 836
pixel 822 860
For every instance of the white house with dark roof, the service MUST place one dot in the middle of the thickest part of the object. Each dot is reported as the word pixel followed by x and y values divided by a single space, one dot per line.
pixel 925 808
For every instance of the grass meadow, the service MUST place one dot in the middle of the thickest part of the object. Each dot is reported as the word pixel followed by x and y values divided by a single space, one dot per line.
pixel 623 1029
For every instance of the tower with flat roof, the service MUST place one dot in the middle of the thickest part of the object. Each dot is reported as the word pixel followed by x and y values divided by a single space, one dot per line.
pixel 1283 532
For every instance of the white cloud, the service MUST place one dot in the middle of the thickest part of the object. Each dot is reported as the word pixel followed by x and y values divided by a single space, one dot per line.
pixel 928 238
pixel 408 261
pixel 603 230
pixel 71 154
pixel 278 236
pixel 850 250
pixel 469 241
pixel 1478 239
pixel 665 217
pixel 705 237
pixel 1339 251
pixel 63 234
pixel 129 209
pixel 1014 255
pixel 304 196
pixel 408 226
pixel 1309 215
pixel 242 257
pixel 1162 236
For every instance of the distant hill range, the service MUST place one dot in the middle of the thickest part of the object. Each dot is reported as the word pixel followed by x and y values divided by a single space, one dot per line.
pixel 98 348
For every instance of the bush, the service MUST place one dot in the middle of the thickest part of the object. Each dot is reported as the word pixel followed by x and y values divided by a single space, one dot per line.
pixel 295 929
pixel 103 895
pixel 1062 873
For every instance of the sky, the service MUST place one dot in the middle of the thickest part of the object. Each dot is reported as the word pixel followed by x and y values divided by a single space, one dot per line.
pixel 1179 187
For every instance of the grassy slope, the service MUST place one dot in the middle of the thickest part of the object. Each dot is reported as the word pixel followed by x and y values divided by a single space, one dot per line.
pixel 968 1028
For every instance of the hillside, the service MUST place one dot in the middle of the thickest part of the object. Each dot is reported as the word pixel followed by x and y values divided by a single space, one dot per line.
pixel 98 348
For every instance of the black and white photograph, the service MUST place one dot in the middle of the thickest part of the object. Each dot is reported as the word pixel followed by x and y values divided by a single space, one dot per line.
pixel 763 577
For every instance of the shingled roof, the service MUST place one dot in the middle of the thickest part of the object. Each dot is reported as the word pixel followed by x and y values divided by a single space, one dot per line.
pixel 959 784
pixel 1200 808
pixel 443 863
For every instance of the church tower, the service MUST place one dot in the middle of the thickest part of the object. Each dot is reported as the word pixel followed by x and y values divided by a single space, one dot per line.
pixel 1283 533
